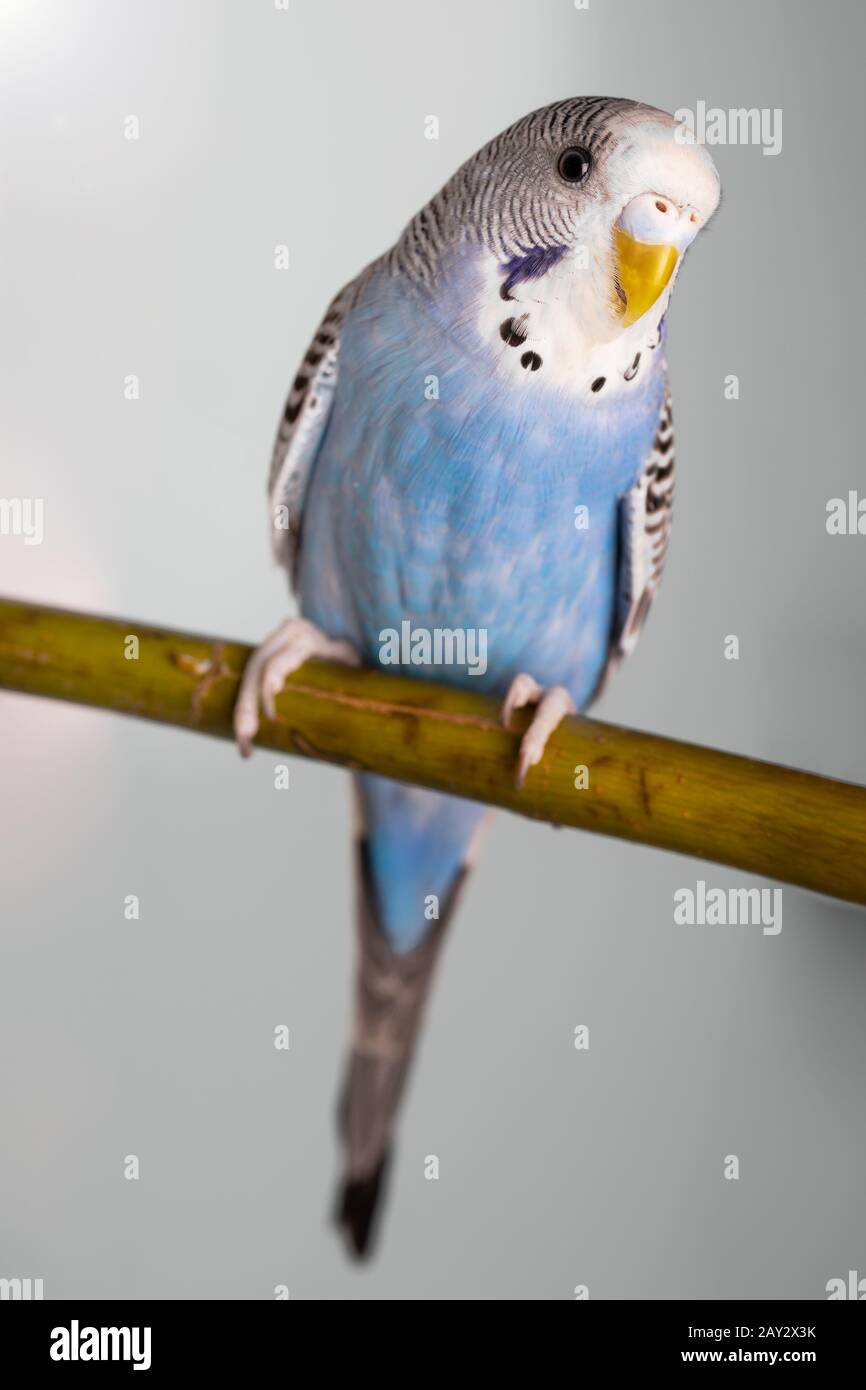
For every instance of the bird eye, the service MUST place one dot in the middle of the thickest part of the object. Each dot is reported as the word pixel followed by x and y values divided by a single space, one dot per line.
pixel 574 164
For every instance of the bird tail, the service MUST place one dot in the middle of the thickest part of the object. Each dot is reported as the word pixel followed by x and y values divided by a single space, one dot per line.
pixel 391 988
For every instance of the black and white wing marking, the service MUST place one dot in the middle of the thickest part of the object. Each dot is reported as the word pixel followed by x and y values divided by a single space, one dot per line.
pixel 300 433
pixel 645 515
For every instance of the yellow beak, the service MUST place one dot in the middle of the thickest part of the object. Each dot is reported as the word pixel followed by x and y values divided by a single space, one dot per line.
pixel 643 270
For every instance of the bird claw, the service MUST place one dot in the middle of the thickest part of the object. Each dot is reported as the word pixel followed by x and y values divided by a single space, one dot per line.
pixel 293 643
pixel 552 705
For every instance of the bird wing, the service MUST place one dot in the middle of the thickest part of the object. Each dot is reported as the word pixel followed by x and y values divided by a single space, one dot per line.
pixel 300 433
pixel 645 516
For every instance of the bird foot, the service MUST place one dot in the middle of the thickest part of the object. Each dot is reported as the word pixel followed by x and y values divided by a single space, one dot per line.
pixel 295 642
pixel 552 705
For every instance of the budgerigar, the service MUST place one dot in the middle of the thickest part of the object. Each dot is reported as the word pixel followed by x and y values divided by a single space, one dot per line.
pixel 479 439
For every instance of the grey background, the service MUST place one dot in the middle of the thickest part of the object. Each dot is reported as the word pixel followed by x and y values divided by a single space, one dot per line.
pixel 155 1038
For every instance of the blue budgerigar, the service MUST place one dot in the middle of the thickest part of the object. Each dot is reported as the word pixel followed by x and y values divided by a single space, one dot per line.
pixel 479 441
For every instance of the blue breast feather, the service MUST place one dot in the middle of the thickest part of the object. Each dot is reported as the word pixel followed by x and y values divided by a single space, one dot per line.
pixel 459 512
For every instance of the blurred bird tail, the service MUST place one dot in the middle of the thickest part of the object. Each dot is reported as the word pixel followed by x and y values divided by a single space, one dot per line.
pixel 390 992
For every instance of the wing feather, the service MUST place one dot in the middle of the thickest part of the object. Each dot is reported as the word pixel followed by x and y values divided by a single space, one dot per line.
pixel 300 433
pixel 645 517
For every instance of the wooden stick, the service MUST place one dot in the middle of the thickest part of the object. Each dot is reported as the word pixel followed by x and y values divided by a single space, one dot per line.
pixel 767 820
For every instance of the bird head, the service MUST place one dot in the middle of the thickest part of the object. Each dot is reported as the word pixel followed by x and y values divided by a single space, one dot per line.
pixel 586 208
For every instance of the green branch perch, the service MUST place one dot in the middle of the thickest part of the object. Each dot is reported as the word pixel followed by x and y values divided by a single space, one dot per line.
pixel 767 820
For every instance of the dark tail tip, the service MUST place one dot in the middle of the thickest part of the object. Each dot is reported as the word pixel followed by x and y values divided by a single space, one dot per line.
pixel 358 1208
